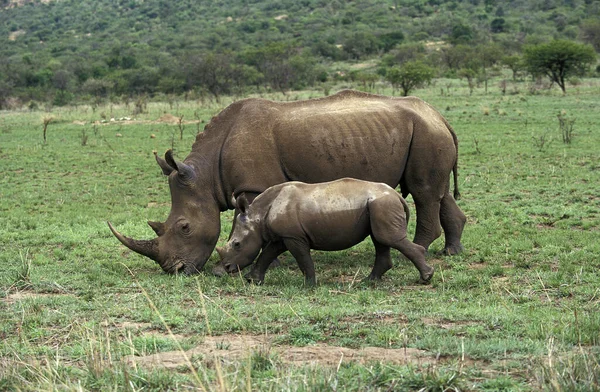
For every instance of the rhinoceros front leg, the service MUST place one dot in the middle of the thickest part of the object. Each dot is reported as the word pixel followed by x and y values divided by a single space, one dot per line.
pixel 453 221
pixel 301 252
pixel 265 259
pixel 383 260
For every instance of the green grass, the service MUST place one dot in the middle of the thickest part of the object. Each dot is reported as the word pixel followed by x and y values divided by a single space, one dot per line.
pixel 518 310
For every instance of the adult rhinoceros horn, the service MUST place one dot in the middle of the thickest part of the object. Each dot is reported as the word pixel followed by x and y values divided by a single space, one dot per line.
pixel 166 169
pixel 148 248
pixel 185 172
pixel 158 227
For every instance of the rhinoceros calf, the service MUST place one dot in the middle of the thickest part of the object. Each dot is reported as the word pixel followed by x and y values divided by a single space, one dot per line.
pixel 327 216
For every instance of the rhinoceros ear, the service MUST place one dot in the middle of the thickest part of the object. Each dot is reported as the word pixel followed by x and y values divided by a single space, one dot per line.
pixel 185 172
pixel 158 227
pixel 166 169
pixel 242 203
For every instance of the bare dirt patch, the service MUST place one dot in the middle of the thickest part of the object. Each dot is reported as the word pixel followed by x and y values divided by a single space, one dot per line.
pixel 25 295
pixel 237 347
pixel 382 317
pixel 448 324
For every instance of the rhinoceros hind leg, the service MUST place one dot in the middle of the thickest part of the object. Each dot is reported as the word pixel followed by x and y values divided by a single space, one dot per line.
pixel 383 261
pixel 453 221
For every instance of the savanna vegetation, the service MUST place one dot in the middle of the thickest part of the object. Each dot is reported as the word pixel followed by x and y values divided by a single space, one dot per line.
pixel 89 89
pixel 62 52
pixel 516 311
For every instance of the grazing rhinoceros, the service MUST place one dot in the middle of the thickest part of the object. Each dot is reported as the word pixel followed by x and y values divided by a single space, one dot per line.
pixel 332 215
pixel 255 143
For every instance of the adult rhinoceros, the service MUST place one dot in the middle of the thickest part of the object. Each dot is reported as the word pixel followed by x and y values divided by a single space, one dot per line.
pixel 255 143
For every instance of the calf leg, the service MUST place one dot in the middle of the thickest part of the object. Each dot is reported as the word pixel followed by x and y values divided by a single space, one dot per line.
pixel 383 260
pixel 301 252
pixel 416 254
pixel 265 259
pixel 388 225
pixel 453 221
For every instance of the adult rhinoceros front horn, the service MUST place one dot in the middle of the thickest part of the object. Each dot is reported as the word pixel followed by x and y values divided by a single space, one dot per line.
pixel 148 248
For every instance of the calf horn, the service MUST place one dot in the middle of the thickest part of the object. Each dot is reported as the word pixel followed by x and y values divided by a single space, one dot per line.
pixel 148 248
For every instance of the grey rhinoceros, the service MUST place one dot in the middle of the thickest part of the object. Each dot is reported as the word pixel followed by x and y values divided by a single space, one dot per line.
pixel 256 143
pixel 334 215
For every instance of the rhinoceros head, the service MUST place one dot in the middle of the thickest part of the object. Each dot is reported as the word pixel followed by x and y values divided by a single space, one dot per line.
pixel 189 235
pixel 245 241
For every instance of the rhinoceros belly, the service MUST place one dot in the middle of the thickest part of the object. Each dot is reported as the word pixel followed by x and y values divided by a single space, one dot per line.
pixel 338 230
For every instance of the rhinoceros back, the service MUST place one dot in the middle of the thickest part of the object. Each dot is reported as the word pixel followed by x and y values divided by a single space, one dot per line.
pixel 350 134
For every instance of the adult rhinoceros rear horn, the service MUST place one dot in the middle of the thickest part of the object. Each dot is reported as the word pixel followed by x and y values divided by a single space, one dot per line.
pixel 166 169
pixel 158 227
pixel 186 172
pixel 148 248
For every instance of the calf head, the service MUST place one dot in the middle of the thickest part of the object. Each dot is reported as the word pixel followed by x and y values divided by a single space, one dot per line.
pixel 189 235
pixel 245 241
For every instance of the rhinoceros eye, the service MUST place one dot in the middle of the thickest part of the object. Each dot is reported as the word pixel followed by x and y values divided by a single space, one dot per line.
pixel 236 245
pixel 185 228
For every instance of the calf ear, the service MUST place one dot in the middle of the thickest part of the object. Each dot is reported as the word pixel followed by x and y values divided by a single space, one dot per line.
pixel 242 203
pixel 166 169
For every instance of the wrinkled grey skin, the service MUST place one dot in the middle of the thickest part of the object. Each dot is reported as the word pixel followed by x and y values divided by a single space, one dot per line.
pixel 255 143
pixel 327 216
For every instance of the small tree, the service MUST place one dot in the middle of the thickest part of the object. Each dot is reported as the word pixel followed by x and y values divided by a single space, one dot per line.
pixel 411 75
pixel 559 60
pixel 514 63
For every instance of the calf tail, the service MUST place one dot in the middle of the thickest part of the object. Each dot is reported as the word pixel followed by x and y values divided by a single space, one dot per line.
pixel 406 209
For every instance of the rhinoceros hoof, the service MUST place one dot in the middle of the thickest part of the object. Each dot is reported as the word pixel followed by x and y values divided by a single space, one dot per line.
pixel 250 278
pixel 451 250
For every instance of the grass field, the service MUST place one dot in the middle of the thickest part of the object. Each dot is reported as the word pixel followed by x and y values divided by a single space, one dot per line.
pixel 518 310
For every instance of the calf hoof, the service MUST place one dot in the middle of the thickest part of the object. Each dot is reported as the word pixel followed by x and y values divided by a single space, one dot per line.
pixel 426 277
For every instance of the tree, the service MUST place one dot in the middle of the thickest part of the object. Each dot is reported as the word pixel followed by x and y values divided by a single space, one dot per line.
pixel 514 63
pixel 559 60
pixel 411 75
pixel 590 32
pixel 461 34
pixel 212 72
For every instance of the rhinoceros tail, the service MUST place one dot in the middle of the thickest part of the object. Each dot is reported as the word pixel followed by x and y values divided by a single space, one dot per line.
pixel 455 167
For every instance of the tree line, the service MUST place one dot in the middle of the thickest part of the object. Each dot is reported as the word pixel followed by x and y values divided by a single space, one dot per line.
pixel 92 50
